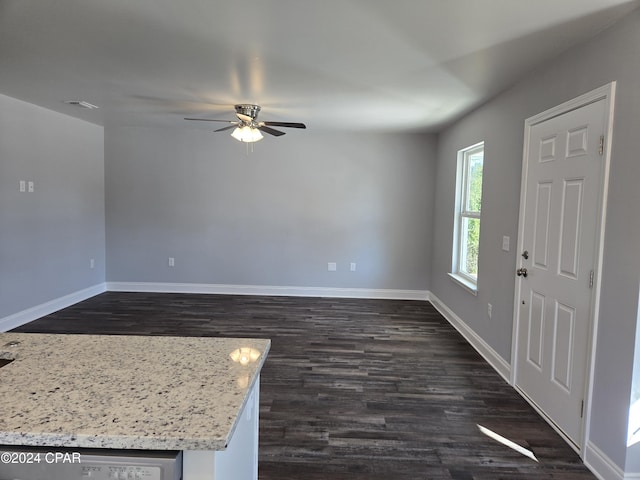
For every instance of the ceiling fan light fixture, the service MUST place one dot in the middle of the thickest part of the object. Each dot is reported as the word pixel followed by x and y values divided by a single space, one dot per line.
pixel 247 134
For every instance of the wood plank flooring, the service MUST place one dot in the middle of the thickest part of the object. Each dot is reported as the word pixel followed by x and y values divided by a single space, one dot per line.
pixel 353 389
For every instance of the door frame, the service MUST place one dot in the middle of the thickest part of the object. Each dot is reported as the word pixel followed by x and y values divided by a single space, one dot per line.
pixel 606 93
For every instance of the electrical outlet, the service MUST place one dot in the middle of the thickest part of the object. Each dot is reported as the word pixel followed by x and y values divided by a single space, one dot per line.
pixel 172 262
pixel 489 309
pixel 30 186
pixel 352 267
pixel 332 266
pixel 92 263
pixel 23 186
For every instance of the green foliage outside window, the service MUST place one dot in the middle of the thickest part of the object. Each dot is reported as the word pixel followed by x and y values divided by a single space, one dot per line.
pixel 472 236
pixel 475 183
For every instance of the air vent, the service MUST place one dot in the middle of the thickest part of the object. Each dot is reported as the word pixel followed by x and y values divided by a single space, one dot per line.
pixel 81 104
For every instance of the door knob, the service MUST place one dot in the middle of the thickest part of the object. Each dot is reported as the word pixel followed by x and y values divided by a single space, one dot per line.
pixel 522 272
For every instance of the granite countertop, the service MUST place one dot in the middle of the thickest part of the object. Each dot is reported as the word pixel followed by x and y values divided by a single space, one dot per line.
pixel 125 392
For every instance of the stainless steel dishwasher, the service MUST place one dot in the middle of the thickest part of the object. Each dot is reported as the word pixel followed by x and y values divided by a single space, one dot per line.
pixel 54 463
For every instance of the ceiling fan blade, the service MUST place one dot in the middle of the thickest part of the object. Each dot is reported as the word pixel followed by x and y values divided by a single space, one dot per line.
pixel 270 131
pixel 235 124
pixel 284 124
pixel 210 120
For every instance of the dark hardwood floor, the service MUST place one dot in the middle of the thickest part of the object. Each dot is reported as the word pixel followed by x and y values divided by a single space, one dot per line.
pixel 353 389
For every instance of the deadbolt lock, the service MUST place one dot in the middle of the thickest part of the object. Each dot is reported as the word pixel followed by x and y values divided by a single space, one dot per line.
pixel 525 254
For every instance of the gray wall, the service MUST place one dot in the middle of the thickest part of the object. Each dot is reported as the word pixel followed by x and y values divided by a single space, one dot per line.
pixel 273 217
pixel 48 237
pixel 613 55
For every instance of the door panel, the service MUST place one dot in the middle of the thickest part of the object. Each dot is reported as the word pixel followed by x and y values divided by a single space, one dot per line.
pixel 547 149
pixel 536 327
pixel 563 345
pixel 543 214
pixel 577 142
pixel 570 228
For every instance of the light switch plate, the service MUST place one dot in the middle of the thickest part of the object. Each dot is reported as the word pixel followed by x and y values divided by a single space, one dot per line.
pixel 505 243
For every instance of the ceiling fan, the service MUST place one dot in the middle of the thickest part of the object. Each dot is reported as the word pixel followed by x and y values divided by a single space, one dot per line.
pixel 247 128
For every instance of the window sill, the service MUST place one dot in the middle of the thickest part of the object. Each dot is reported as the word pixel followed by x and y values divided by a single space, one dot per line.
pixel 470 287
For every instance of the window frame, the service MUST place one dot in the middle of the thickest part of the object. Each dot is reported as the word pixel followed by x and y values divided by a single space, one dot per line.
pixel 462 212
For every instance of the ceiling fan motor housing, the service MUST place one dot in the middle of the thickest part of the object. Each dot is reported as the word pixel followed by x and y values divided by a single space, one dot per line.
pixel 248 110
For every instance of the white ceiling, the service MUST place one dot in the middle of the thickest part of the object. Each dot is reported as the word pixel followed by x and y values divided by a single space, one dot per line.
pixel 355 64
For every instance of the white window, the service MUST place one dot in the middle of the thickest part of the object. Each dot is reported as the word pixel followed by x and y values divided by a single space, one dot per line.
pixel 466 240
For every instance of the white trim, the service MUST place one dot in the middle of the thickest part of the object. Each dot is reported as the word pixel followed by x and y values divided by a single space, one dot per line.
pixel 470 287
pixel 602 466
pixel 209 288
pixel 33 313
pixel 606 93
pixel 498 363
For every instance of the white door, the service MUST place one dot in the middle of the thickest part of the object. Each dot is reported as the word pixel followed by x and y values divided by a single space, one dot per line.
pixel 564 170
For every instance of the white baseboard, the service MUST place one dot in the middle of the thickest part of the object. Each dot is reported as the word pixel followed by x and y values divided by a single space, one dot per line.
pixel 20 318
pixel 601 465
pixel 499 364
pixel 33 313
pixel 267 290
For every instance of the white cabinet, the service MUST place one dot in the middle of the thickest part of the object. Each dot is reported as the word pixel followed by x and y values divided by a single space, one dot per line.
pixel 240 459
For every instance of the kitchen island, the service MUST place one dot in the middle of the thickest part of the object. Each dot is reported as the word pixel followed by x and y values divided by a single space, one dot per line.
pixel 193 394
